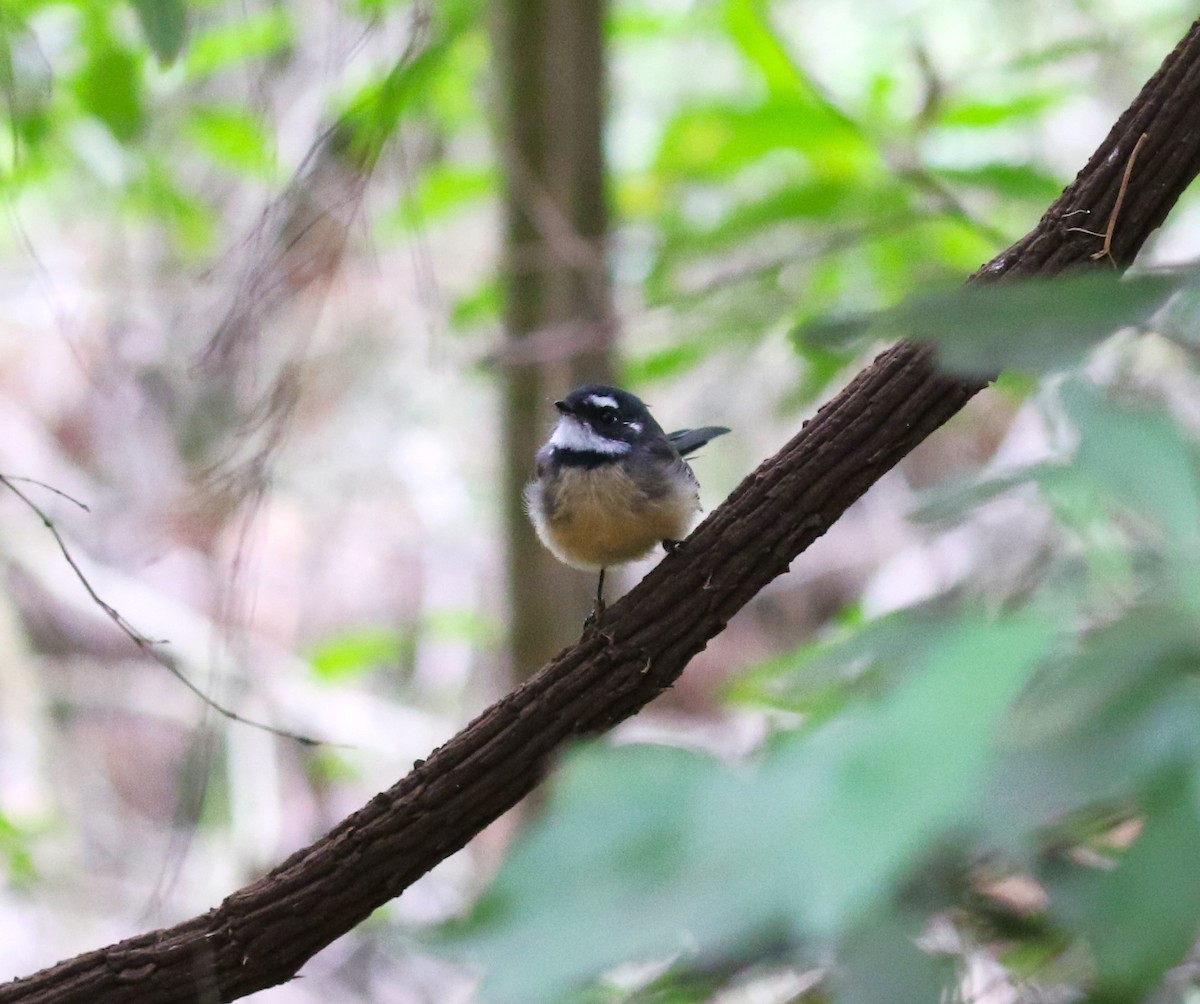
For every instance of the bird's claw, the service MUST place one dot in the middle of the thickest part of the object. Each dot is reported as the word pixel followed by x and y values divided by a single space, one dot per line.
pixel 593 618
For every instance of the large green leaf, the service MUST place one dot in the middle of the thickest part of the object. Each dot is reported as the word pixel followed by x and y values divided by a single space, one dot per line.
pixel 1139 457
pixel 711 142
pixel 110 87
pixel 644 853
pixel 1099 724
pixel 879 964
pixel 1140 918
pixel 1030 324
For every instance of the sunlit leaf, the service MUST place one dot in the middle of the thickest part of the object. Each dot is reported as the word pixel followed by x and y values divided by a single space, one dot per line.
pixel 17 867
pixel 110 87
pixel 233 138
pixel 713 141
pixel 350 655
pixel 750 28
pixel 249 35
pixel 478 306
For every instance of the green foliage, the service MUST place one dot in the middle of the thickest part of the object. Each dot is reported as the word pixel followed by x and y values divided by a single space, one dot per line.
pixel 164 23
pixel 109 88
pixel 232 138
pixel 1032 325
pixel 919 756
pixel 913 755
pixel 780 199
pixel 17 867
pixel 257 35
pixel 351 655
pixel 672 852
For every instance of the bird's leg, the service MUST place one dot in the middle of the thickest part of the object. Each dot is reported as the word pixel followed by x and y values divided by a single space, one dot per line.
pixel 598 608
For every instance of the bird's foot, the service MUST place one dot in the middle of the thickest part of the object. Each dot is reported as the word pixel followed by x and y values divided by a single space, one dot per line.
pixel 671 546
pixel 593 618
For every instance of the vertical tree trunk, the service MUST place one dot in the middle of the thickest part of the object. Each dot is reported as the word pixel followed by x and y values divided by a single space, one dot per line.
pixel 558 311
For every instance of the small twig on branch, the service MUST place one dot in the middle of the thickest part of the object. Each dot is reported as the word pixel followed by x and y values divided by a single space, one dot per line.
pixel 1106 251
pixel 149 646
pixel 8 478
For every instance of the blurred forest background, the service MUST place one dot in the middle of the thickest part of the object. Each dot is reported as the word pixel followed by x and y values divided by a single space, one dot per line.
pixel 286 293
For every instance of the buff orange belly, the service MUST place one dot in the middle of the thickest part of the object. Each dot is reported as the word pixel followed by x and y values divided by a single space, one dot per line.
pixel 596 517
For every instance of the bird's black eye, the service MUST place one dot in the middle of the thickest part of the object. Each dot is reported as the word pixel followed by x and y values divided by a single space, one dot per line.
pixel 608 418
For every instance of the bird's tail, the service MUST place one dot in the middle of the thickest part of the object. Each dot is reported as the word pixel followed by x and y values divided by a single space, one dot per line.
pixel 689 440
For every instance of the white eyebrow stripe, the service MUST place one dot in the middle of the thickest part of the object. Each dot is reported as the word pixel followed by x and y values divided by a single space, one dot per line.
pixel 602 401
pixel 572 434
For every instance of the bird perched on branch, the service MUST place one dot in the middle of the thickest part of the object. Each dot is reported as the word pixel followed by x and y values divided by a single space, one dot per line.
pixel 611 484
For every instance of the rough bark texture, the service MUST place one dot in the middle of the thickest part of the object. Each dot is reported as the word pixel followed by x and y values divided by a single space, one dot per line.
pixel 261 934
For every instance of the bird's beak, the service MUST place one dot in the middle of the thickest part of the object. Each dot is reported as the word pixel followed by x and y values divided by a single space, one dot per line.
pixel 563 407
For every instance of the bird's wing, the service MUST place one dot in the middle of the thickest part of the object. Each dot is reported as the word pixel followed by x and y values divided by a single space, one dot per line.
pixel 689 440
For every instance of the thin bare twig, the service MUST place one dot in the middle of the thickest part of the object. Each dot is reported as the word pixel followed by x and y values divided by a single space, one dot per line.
pixel 148 645
pixel 1110 229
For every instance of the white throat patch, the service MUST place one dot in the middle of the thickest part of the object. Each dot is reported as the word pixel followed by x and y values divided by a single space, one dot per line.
pixel 572 434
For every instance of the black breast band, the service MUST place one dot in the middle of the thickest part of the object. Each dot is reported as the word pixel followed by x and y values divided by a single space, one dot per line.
pixel 584 458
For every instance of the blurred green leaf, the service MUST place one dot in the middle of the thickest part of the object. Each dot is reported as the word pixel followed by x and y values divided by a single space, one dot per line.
pixel 187 220
pixel 646 852
pixel 445 189
pixel 250 35
pixel 881 964
pixel 642 21
pixel 820 678
pixel 1009 181
pixel 347 656
pixel 164 23
pixel 1180 319
pixel 1030 324
pixel 478 307
pixel 1118 669
pixel 1141 917
pixel 233 138
pixel 372 113
pixel 1140 458
pixel 622 860
pixel 749 27
pixel 109 87
pixel 711 142
pixel 810 201
pixel 670 361
pixel 976 113
pixel 16 854
pixel 463 624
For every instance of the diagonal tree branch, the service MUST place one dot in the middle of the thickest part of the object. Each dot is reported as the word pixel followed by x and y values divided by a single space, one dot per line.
pixel 261 934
